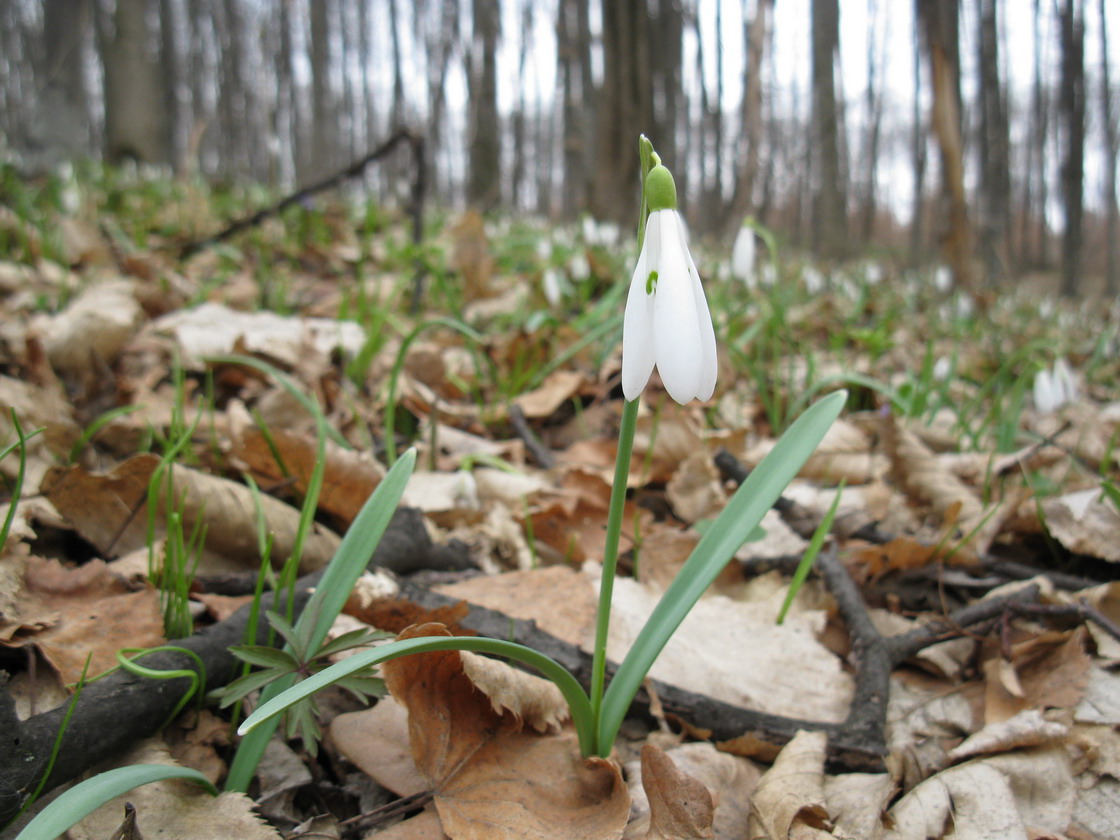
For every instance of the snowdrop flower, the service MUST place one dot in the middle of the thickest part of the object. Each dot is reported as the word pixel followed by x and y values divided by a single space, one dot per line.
pixel 769 275
pixel 942 279
pixel 579 267
pixel 942 368
pixel 874 274
pixel 814 280
pixel 553 285
pixel 742 256
pixel 667 322
pixel 1054 389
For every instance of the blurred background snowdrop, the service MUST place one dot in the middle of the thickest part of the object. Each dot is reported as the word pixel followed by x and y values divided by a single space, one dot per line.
pixel 1055 387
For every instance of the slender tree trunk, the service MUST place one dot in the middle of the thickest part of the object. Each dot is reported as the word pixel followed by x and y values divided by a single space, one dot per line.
pixel 1072 104
pixel 1035 234
pixel 60 127
pixel 1112 151
pixel 135 124
pixel 324 132
pixel 484 178
pixel 517 176
pixel 919 142
pixel 829 210
pixel 995 181
pixel 939 22
pixel 627 97
pixel 754 34
pixel 576 89
pixel 876 67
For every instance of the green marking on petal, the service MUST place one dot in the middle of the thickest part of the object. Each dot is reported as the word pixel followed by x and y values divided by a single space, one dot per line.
pixel 651 282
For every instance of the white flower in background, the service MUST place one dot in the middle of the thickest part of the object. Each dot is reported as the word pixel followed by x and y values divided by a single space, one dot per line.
pixel 769 275
pixel 1055 388
pixel 942 368
pixel 814 280
pixel 667 322
pixel 874 274
pixel 742 256
pixel 579 267
pixel 552 285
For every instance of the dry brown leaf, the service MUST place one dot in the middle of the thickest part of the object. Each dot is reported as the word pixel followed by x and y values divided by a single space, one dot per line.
pixel 424 826
pixel 739 654
pixel 730 778
pixel 558 388
pixel 1101 703
pixel 493 780
pixel 376 740
pixel 1085 523
pixel 1026 729
pixel 681 807
pixel 216 330
pixel 97 612
pixel 695 490
pixel 1047 671
pixel 857 802
pixel 791 793
pixel 349 477
pixel 917 470
pixel 533 701
pixel 110 511
pixel 846 453
pixel 560 599
pixel 85 338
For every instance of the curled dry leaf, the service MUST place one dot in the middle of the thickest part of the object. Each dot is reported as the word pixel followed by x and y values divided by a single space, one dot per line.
pixel 1026 729
pixel 846 452
pixel 492 779
pixel 791 792
pixel 91 331
pixel 558 387
pixel 110 511
pixel 1085 523
pixel 681 807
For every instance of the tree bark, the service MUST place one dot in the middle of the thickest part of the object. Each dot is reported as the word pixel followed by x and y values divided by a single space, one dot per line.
pixel 995 181
pixel 829 216
pixel 939 20
pixel 323 156
pixel 1112 151
pixel 742 198
pixel 135 124
pixel 627 97
pixel 60 128
pixel 484 177
pixel 1072 107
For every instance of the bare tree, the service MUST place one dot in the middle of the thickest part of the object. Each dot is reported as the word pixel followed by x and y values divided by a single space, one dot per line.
pixel 1033 233
pixel 484 177
pixel 627 96
pixel 1111 152
pixel 940 22
pixel 995 181
pixel 60 125
pixel 1072 112
pixel 754 34
pixel 829 206
pixel 135 124
pixel 874 98
pixel 919 142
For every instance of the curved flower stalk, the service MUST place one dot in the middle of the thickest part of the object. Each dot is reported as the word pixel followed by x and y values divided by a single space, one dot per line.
pixel 667 324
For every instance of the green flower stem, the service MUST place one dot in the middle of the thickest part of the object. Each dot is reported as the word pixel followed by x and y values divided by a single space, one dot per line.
pixel 610 558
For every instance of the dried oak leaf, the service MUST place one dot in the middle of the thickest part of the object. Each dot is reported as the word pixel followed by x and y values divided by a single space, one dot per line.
pixel 681 807
pixel 790 795
pixel 492 778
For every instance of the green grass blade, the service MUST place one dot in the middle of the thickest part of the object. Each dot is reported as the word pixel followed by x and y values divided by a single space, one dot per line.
pixel 347 565
pixel 738 520
pixel 86 797
pixel 578 702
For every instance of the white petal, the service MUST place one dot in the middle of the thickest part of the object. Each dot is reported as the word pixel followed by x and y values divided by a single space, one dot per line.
pixel 676 323
pixel 706 385
pixel 638 354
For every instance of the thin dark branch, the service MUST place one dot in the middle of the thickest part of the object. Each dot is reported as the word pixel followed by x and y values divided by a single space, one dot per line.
pixel 539 452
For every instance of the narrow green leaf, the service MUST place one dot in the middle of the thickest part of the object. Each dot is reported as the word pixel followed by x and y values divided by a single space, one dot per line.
pixel 86 797
pixel 578 703
pixel 732 527
pixel 265 657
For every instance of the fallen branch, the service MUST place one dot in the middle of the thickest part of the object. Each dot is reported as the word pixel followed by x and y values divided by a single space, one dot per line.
pixel 354 170
pixel 121 708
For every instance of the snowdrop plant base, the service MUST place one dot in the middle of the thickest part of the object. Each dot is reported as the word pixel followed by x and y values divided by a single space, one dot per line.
pixel 597 715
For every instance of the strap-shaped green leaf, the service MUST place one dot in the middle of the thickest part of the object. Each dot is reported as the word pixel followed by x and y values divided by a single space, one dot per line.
pixel 735 523
pixel 86 797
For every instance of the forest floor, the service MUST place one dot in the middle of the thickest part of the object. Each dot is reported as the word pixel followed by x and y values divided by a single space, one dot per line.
pixel 949 669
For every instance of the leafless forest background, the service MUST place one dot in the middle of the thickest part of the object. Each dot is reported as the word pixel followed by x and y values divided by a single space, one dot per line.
pixel 535 106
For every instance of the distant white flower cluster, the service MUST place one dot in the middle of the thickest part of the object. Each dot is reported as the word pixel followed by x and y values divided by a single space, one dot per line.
pixel 1055 388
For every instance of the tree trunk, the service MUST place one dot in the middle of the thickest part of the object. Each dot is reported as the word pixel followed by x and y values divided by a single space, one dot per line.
pixel 918 146
pixel 484 177
pixel 876 66
pixel 995 181
pixel 1072 105
pixel 742 198
pixel 627 97
pixel 60 127
pixel 939 21
pixel 1112 151
pixel 829 216
pixel 324 135
pixel 135 124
